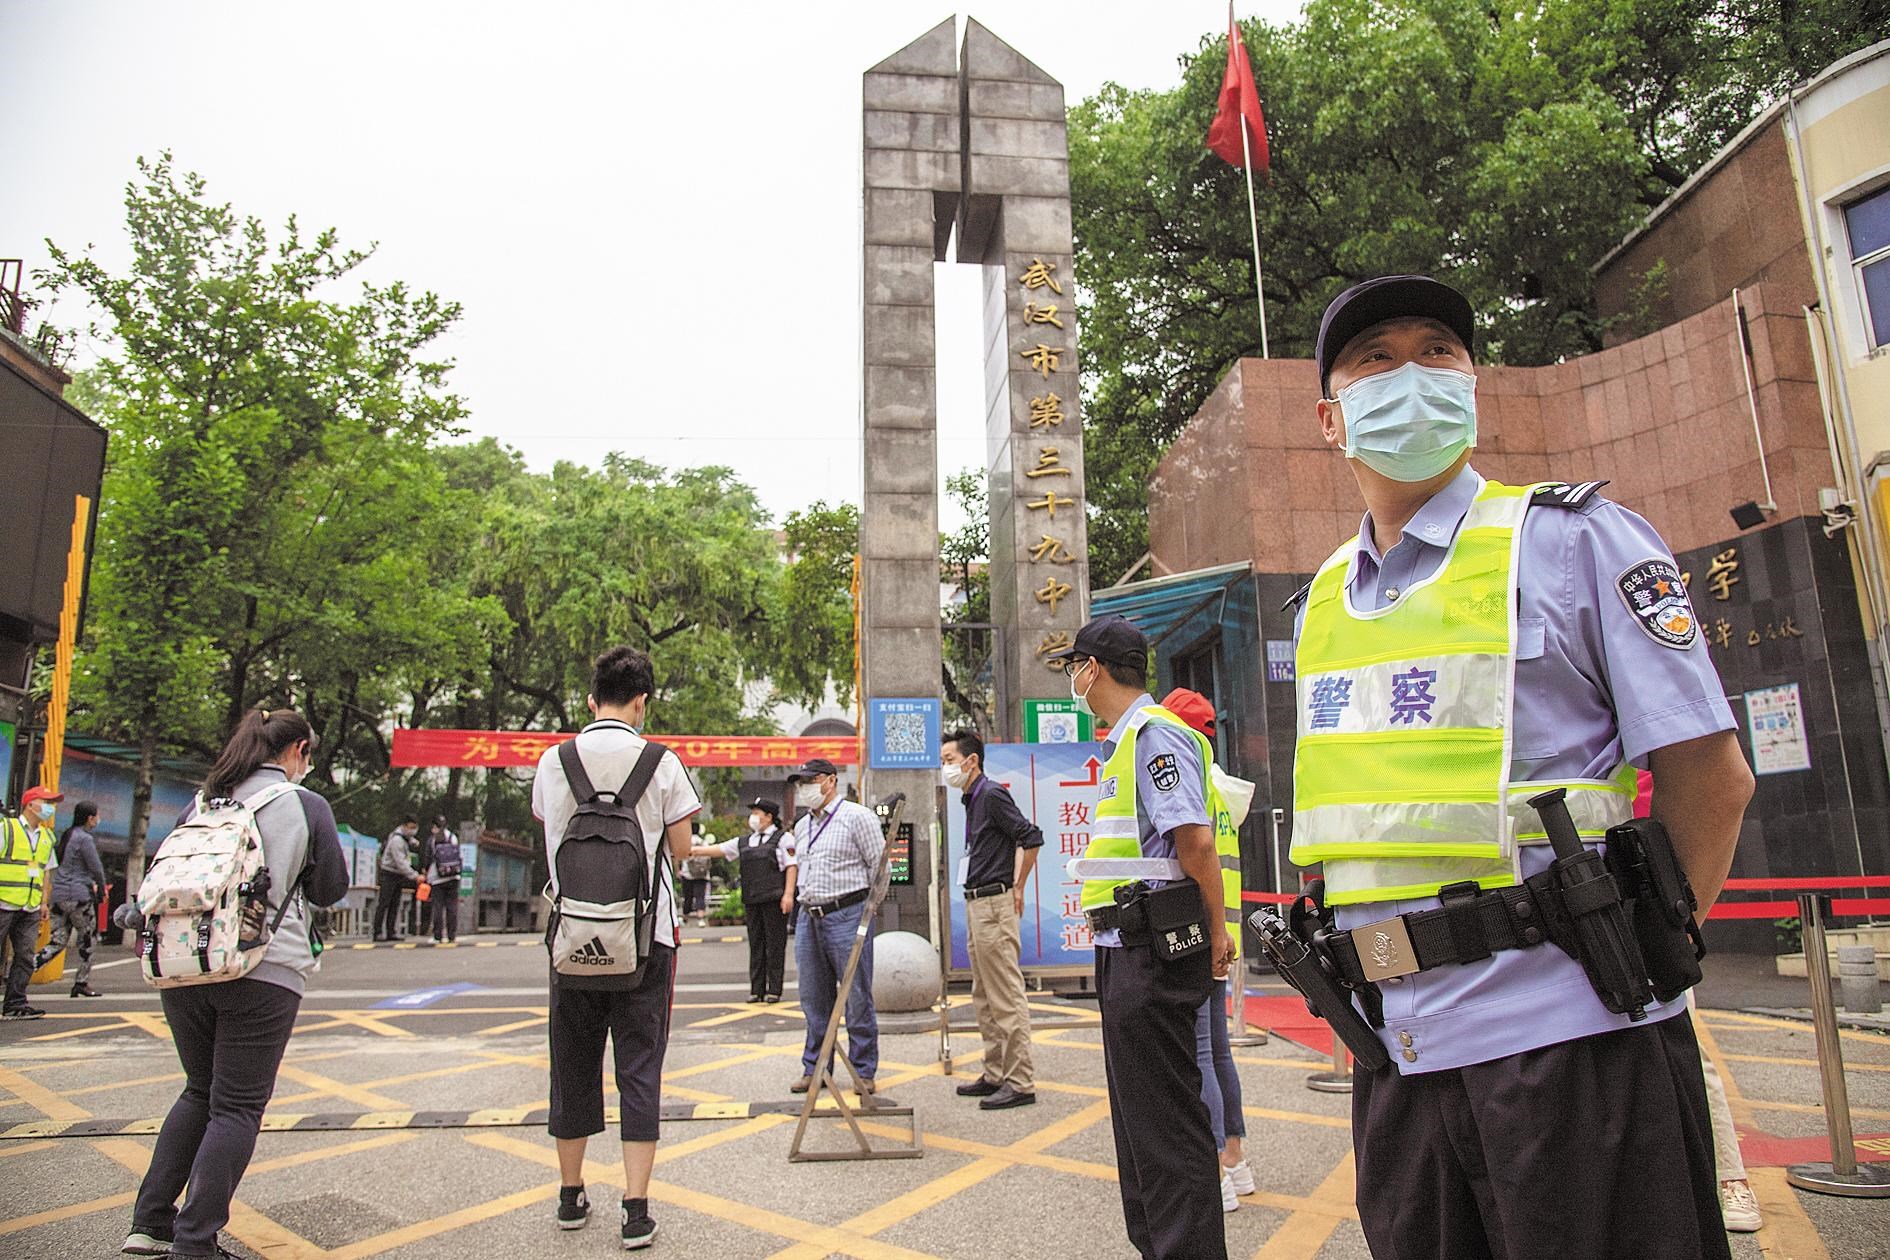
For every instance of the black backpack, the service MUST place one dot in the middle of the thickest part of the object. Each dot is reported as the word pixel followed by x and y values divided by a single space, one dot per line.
pixel 446 859
pixel 603 918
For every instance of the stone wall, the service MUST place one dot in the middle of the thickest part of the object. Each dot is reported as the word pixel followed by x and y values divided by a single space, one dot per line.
pixel 1736 226
pixel 1663 418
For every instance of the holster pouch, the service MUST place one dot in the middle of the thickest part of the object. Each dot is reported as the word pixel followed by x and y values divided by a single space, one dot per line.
pixel 1173 917
pixel 1641 856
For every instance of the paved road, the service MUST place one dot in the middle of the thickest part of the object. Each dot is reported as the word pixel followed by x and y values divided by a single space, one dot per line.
pixel 394 1041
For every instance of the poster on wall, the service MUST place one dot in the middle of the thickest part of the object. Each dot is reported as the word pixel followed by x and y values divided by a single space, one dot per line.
pixel 1775 722
pixel 1055 787
pixel 1056 722
pixel 902 734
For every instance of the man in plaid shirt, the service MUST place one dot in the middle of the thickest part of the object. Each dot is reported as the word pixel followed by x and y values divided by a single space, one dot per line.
pixel 837 845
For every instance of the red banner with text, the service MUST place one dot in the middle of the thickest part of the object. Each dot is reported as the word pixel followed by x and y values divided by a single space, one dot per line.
pixel 476 749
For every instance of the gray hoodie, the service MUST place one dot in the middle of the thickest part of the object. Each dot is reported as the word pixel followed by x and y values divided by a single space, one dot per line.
pixel 298 829
pixel 80 876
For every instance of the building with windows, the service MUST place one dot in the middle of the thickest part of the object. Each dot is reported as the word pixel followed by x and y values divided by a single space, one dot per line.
pixel 1743 407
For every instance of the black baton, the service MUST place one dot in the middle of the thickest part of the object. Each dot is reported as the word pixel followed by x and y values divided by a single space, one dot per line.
pixel 1604 939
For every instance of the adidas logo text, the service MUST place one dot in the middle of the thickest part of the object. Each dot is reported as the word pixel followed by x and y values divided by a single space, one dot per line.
pixel 593 955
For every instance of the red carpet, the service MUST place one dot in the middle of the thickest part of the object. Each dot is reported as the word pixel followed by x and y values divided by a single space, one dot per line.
pixel 1764 1150
pixel 1288 1017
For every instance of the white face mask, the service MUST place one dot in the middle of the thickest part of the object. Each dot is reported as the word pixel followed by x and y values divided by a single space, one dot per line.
pixel 754 822
pixel 955 776
pixel 42 811
pixel 1412 423
pixel 1081 698
pixel 809 794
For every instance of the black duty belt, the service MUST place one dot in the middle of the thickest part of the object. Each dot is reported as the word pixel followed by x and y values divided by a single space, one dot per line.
pixel 988 890
pixel 822 909
pixel 1470 925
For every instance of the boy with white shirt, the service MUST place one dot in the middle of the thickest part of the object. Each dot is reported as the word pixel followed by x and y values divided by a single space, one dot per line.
pixel 636 1019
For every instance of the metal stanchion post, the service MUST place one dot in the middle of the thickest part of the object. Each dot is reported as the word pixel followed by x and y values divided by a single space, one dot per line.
pixel 1842 1174
pixel 1339 1079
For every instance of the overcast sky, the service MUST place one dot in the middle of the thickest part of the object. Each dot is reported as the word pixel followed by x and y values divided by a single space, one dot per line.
pixel 650 212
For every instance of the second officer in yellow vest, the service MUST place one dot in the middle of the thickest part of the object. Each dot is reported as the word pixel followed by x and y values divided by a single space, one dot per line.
pixel 1152 893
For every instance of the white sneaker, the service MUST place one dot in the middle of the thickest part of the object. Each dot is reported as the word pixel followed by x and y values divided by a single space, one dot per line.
pixel 1740 1207
pixel 1241 1176
pixel 1229 1202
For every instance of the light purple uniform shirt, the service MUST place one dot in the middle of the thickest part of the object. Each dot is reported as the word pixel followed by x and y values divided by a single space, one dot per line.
pixel 1593 689
pixel 1159 810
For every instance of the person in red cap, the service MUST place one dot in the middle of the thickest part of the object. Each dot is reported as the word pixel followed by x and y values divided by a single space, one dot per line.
pixel 26 856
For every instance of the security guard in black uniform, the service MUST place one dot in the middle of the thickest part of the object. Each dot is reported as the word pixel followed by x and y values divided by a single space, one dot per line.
pixel 765 858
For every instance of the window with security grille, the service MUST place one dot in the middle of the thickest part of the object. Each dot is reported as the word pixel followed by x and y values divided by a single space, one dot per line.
pixel 1867 220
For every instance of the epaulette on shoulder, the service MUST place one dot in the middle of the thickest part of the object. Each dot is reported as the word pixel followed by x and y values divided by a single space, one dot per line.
pixel 1576 496
pixel 1298 597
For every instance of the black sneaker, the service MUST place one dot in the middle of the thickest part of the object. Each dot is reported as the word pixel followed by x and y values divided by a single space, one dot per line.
pixel 146 1242
pixel 639 1231
pixel 22 1012
pixel 574 1207
pixel 771 998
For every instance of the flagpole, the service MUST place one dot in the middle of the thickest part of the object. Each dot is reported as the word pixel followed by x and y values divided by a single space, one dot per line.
pixel 1253 219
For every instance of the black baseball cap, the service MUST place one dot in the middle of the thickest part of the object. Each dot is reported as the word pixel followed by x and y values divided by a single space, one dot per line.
pixel 815 767
pixel 1113 639
pixel 1389 297
pixel 766 806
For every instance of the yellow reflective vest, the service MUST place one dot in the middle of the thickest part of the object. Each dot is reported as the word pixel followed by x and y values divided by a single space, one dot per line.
pixel 1401 773
pixel 1118 834
pixel 24 859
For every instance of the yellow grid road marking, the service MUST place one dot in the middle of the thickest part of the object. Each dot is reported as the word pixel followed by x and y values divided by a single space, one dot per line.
pixel 747 1013
pixel 1782 1061
pixel 22 1148
pixel 1788 1233
pixel 514 1026
pixel 49 1103
pixel 1306 1230
pixel 1730 1018
pixel 341 1089
pixel 358 1019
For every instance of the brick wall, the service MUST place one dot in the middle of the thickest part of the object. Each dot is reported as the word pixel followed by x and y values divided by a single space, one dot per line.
pixel 1664 418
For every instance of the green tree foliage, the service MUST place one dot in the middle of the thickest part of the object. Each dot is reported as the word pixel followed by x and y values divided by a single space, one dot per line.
pixel 1502 150
pixel 286 521
pixel 964 557
pixel 268 442
pixel 812 646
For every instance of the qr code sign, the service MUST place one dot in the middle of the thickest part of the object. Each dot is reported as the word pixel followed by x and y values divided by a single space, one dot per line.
pixel 905 734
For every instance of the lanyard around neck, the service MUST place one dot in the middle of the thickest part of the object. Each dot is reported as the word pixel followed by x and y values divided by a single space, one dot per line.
pixel 821 830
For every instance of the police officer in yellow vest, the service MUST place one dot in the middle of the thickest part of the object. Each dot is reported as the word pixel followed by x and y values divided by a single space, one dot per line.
pixel 1157 956
pixel 26 859
pixel 1476 644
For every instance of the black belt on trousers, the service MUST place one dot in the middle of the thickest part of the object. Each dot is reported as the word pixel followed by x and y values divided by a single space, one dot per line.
pixel 988 890
pixel 853 898
pixel 1469 926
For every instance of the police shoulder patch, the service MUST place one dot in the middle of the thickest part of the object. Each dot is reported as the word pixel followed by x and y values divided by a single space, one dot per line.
pixel 1657 600
pixel 1575 496
pixel 1164 771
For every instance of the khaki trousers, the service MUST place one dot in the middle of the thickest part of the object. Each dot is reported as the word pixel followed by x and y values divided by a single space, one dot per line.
pixel 997 990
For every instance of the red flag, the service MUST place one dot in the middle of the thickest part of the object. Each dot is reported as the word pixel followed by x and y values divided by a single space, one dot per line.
pixel 1239 100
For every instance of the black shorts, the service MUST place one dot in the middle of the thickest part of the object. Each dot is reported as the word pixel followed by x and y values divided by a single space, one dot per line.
pixel 637 1022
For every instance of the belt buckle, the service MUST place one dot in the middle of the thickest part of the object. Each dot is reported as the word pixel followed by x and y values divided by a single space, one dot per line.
pixel 1384 949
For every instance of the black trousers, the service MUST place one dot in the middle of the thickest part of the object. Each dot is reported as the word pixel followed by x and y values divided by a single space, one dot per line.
pixel 387 905
pixel 767 946
pixel 230 1039
pixel 1595 1148
pixel 20 929
pixel 446 910
pixel 637 1022
pixel 1165 1161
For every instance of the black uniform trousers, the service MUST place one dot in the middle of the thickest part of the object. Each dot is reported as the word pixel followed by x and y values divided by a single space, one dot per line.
pixel 1165 1161
pixel 767 946
pixel 1593 1149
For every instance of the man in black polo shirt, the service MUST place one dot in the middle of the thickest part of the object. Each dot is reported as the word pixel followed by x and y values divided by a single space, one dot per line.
pixel 1000 850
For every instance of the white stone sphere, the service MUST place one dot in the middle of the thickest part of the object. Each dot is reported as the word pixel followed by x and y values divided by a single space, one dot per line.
pixel 905 972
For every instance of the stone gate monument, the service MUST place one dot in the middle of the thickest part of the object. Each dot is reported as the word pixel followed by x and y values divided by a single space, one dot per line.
pixel 967 155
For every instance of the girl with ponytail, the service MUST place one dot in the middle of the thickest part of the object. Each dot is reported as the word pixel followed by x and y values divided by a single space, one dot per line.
pixel 230 1036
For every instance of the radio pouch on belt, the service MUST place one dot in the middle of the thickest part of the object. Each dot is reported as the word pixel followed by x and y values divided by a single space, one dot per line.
pixel 1173 918
pixel 1640 854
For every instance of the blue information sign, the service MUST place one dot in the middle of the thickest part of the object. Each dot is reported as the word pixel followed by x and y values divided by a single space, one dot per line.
pixel 903 734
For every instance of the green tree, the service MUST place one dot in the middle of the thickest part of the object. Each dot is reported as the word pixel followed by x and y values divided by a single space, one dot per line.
pixel 1502 150
pixel 811 649
pixel 964 557
pixel 264 438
